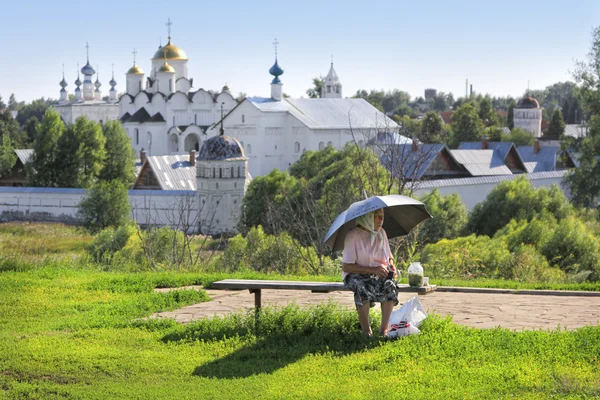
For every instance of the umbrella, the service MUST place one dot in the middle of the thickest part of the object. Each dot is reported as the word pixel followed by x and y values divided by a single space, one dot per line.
pixel 401 215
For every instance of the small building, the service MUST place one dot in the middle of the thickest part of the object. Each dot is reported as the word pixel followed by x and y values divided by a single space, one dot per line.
pixel 527 115
pixel 17 177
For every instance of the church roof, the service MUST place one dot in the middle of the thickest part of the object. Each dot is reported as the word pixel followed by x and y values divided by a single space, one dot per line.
pixel 528 102
pixel 125 117
pixel 328 113
pixel 141 116
pixel 170 52
pixel 332 77
pixel 221 148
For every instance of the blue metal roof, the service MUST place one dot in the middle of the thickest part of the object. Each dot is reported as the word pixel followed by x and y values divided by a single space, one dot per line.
pixel 488 179
pixel 544 160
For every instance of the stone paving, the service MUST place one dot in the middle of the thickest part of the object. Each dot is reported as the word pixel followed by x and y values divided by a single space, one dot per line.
pixel 479 310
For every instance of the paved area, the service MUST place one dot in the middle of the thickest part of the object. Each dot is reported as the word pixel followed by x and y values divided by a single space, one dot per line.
pixel 479 310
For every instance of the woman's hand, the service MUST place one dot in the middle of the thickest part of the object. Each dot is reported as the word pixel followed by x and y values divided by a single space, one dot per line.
pixel 381 271
pixel 393 267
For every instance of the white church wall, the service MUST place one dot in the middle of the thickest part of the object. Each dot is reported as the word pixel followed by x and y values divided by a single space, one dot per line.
pixel 148 207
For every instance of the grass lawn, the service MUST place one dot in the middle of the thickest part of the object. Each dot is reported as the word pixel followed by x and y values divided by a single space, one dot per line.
pixel 78 334
pixel 69 330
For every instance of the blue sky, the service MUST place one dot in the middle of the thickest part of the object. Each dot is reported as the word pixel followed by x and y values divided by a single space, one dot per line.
pixel 377 44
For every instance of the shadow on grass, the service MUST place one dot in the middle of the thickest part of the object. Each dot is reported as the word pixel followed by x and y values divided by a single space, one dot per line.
pixel 276 338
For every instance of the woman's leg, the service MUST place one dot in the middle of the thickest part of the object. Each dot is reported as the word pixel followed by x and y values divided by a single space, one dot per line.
pixel 386 312
pixel 363 317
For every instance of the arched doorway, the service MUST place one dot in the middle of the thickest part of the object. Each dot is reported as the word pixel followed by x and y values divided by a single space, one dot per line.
pixel 173 144
pixel 192 142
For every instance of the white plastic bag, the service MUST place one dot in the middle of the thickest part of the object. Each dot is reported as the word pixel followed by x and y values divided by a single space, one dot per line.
pixel 406 320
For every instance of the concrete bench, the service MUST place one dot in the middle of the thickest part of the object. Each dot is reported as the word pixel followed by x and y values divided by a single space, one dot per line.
pixel 255 286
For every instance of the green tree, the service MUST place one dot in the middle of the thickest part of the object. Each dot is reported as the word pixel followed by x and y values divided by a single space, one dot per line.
pixel 449 217
pixel 12 102
pixel 67 159
pixel 31 128
pixel 511 114
pixel 119 155
pixel 8 156
pixel 519 200
pixel 44 169
pixel 466 125
pixel 10 128
pixel 587 76
pixel 432 128
pixel 2 104
pixel 315 91
pixel 106 204
pixel 37 108
pixel 519 137
pixel 91 152
pixel 557 125
pixel 584 181
pixel 486 111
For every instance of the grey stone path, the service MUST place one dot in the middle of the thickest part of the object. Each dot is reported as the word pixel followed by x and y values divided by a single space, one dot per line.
pixel 479 310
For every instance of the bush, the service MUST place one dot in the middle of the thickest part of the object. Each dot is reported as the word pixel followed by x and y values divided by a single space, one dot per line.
pixel 519 200
pixel 106 204
pixel 469 256
pixel 449 217
pixel 110 241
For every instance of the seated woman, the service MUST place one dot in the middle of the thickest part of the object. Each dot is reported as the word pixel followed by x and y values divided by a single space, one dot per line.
pixel 365 261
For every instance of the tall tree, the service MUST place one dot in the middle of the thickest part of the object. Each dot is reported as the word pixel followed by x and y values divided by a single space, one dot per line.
pixel 119 155
pixel 432 128
pixel 91 152
pixel 511 114
pixel 44 170
pixel 2 104
pixel 587 75
pixel 315 91
pixel 486 111
pixel 557 125
pixel 466 125
pixel 584 181
pixel 7 155
pixel 12 102
pixel 9 127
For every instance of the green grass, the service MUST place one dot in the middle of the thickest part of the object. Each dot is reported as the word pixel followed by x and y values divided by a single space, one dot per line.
pixel 81 333
pixel 505 284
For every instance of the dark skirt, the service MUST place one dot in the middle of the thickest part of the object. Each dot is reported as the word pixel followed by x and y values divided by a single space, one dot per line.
pixel 371 288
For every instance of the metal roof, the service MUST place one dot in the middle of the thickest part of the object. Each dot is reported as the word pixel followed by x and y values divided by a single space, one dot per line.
pixel 389 138
pixel 544 160
pixel 25 155
pixel 403 160
pixel 173 172
pixel 575 130
pixel 481 162
pixel 487 179
pixel 328 113
pixel 500 148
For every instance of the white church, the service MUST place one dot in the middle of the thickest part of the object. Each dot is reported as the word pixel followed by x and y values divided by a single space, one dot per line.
pixel 163 115
pixel 87 99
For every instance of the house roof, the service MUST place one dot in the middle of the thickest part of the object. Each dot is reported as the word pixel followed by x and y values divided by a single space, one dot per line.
pixel 25 155
pixel 389 138
pixel 481 162
pixel 173 172
pixel 480 180
pixel 575 130
pixel 328 113
pixel 414 164
pixel 544 160
pixel 446 116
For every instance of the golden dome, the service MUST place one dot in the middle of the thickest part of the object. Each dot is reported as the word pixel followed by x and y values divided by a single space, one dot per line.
pixel 135 70
pixel 172 53
pixel 166 68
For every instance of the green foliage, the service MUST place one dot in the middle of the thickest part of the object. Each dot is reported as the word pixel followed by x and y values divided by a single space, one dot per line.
pixel 315 91
pixel 108 242
pixel 511 114
pixel 106 204
pixel 557 125
pixel 91 152
pixel 516 199
pixel 9 127
pixel 270 253
pixel 119 155
pixel 587 76
pixel 469 256
pixel 432 129
pixel 384 101
pixel 8 157
pixel 584 181
pixel 44 168
pixel 573 249
pixel 466 125
pixel 36 109
pixel 519 137
pixel 449 217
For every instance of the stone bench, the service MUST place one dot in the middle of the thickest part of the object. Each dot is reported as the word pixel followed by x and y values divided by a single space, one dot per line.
pixel 256 286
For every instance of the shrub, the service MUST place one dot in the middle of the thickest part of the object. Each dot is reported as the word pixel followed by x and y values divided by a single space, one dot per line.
pixel 449 217
pixel 528 265
pixel 469 256
pixel 110 241
pixel 106 204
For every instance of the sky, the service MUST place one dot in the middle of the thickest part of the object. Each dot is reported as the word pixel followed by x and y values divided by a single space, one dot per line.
pixel 500 47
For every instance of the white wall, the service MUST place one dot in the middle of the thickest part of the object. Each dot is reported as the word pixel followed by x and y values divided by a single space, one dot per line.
pixel 475 190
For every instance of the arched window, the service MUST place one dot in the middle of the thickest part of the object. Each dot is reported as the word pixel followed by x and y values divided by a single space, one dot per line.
pixel 297 147
pixel 329 144
pixel 321 145
pixel 238 172
pixel 243 118
pixel 214 173
pixel 328 88
pixel 137 136
pixel 231 176
pixel 220 172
